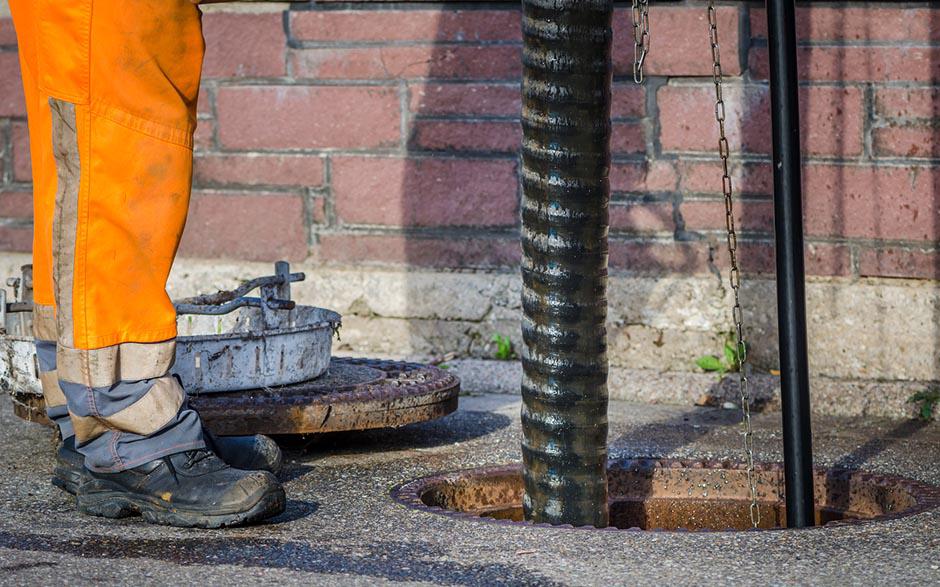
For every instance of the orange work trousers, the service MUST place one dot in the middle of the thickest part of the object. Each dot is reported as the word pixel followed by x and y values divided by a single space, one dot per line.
pixel 111 89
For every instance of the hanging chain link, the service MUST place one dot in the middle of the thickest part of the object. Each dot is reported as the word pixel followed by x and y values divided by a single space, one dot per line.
pixel 735 274
pixel 641 37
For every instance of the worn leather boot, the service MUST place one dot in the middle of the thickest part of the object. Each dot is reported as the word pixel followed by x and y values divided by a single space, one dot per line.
pixel 248 453
pixel 188 489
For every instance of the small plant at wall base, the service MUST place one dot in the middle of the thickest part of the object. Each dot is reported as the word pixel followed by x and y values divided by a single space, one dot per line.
pixel 728 362
pixel 504 350
pixel 928 400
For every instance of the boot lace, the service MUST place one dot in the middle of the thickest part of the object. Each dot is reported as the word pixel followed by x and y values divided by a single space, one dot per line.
pixel 194 456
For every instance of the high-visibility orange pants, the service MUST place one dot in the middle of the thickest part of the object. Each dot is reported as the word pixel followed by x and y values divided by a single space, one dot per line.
pixel 111 89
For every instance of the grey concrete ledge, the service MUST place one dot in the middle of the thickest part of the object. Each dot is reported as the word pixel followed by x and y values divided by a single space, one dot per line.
pixel 886 399
pixel 872 343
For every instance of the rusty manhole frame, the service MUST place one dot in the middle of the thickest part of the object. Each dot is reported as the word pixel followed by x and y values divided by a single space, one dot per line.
pixel 408 494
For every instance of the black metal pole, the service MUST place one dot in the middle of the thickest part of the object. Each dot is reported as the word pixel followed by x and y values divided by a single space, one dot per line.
pixel 566 162
pixel 788 226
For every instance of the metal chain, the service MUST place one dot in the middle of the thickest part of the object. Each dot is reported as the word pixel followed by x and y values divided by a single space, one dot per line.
pixel 735 274
pixel 641 37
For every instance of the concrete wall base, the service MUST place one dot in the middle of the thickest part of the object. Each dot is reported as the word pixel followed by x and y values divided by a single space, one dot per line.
pixel 872 342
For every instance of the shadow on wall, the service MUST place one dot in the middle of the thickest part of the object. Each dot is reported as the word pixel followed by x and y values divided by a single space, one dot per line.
pixel 460 189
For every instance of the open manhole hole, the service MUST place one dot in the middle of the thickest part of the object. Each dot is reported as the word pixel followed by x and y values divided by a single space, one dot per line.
pixel 649 494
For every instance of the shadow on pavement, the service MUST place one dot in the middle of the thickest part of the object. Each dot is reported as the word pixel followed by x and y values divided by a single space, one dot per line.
pixel 458 427
pixel 392 560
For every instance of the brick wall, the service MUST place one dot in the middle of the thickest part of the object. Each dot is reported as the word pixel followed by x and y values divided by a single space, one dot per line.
pixel 390 136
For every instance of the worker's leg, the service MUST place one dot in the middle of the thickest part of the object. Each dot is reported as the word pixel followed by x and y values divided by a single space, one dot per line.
pixel 54 47
pixel 120 163
pixel 122 155
pixel 122 77
pixel 249 452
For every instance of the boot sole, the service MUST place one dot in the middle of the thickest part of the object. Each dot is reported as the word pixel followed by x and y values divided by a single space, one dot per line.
pixel 116 504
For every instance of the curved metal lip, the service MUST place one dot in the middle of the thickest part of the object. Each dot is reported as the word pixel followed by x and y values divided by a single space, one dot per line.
pixel 333 320
pixel 408 494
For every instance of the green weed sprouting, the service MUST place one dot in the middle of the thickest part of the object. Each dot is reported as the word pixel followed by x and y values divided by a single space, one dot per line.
pixel 928 400
pixel 504 350
pixel 728 362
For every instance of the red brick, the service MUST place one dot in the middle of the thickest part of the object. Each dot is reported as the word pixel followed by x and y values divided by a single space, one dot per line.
pixel 642 216
pixel 244 45
pixel 680 44
pixel 750 215
pixel 489 62
pixel 704 177
pixel 628 100
pixel 899 262
pixel 907 141
pixel 646 177
pixel 308 117
pixel 757 257
pixel 18 239
pixel 828 259
pixel 433 99
pixel 350 26
pixel 627 138
pixel 831 119
pixel 7 33
pixel 858 64
pixel 419 251
pixel 425 192
pixel 317 209
pixel 907 102
pixel 204 102
pixel 847 23
pixel 12 102
pixel 204 137
pixel 895 203
pixel 687 121
pixel 754 257
pixel 22 167
pixel 252 226
pixel 277 170
pixel 449 135
pixel 659 257
pixel 16 204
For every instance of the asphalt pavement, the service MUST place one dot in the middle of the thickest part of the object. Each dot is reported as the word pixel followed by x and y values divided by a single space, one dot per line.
pixel 342 527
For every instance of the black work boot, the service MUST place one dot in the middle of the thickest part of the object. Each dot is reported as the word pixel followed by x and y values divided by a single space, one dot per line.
pixel 188 489
pixel 249 453
pixel 69 472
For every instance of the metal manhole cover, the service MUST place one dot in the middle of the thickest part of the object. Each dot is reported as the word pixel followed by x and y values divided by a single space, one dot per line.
pixel 355 394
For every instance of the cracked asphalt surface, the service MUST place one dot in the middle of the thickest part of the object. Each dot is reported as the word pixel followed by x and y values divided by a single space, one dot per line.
pixel 342 527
